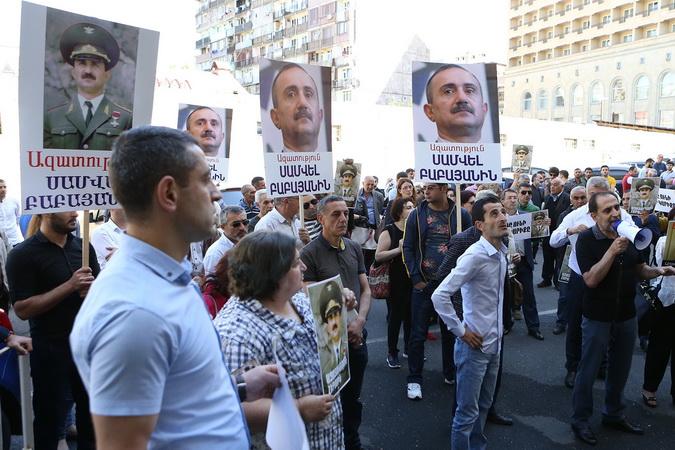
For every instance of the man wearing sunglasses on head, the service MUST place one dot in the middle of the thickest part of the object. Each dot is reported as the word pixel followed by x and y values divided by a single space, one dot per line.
pixel 234 224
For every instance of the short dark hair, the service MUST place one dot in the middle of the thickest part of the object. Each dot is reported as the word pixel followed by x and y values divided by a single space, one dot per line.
pixel 504 192
pixel 671 213
pixel 588 168
pixel 401 175
pixel 478 210
pixel 286 67
pixel 632 168
pixel 256 180
pixel 603 166
pixel 326 200
pixel 526 185
pixel 593 202
pixel 258 262
pixel 554 171
pixel 139 160
pixel 443 68
pixel 397 207
pixel 564 173
pixel 409 170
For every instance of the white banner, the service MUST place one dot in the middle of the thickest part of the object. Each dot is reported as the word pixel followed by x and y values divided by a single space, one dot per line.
pixel 520 225
pixel 83 82
pixel 665 200
pixel 458 163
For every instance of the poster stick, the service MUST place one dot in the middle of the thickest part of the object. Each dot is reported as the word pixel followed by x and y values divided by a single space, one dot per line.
pixel 458 209
pixel 85 239
pixel 301 211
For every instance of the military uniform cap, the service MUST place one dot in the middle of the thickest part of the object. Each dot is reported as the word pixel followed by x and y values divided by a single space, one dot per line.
pixel 522 148
pixel 644 182
pixel 348 169
pixel 330 299
pixel 89 41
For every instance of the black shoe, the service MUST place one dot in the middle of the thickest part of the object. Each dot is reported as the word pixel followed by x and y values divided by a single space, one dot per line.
pixel 498 419
pixel 536 334
pixel 585 434
pixel 569 379
pixel 602 373
pixel 393 362
pixel 544 283
pixel 558 329
pixel 623 425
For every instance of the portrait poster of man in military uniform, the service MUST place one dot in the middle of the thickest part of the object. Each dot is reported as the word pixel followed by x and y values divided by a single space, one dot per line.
pixel 330 322
pixel 90 68
pixel 347 180
pixel 521 159
pixel 643 195
pixel 540 224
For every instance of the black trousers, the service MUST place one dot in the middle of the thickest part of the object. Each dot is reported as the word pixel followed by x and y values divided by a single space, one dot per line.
pixel 548 268
pixel 352 408
pixel 52 371
pixel 398 312
pixel 661 349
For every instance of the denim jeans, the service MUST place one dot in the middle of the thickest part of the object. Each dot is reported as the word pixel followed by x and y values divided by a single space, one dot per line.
pixel 52 371
pixel 561 314
pixel 596 339
pixel 476 381
pixel 352 408
pixel 421 311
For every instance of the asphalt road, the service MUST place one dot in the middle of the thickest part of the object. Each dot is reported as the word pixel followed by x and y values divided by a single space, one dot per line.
pixel 532 393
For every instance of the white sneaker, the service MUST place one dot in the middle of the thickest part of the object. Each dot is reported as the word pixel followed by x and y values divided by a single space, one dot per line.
pixel 414 391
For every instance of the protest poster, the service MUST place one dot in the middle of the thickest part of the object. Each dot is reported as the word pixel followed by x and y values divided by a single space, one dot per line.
pixel 520 226
pixel 540 224
pixel 565 271
pixel 330 322
pixel 347 180
pixel 669 250
pixel 83 82
pixel 295 109
pixel 665 200
pixel 643 195
pixel 456 123
pixel 521 159
pixel 212 127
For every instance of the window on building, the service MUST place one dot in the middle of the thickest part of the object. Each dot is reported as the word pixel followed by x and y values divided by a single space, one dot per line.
pixel 588 144
pixel 668 85
pixel 606 19
pixel 527 101
pixel 651 33
pixel 577 95
pixel 604 43
pixel 628 12
pixel 642 88
pixel 559 100
pixel 346 96
pixel 627 38
pixel 596 93
pixel 652 6
pixel 570 144
pixel 667 118
pixel 586 24
pixel 641 118
pixel 618 91
pixel 635 147
pixel 542 100
pixel 566 51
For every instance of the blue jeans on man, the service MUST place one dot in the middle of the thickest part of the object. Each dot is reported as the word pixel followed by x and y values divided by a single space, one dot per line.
pixel 476 381
pixel 595 342
pixel 421 311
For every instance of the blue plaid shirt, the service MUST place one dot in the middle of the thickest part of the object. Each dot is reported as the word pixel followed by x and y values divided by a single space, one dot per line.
pixel 247 332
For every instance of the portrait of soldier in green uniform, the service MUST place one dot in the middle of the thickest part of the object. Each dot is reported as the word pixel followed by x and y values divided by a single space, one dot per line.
pixel 90 119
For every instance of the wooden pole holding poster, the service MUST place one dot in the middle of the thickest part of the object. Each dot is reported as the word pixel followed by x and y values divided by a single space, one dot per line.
pixel 458 209
pixel 301 211
pixel 85 239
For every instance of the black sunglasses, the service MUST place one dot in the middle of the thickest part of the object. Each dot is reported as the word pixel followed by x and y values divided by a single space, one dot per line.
pixel 238 223
pixel 312 201
pixel 525 192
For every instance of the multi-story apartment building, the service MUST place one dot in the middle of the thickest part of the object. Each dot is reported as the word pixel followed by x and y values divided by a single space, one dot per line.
pixel 586 60
pixel 235 34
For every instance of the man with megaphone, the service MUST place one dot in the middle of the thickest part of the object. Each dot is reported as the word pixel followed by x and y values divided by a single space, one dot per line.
pixel 611 265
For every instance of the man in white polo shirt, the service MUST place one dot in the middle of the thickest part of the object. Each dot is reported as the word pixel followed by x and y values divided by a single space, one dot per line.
pixel 284 218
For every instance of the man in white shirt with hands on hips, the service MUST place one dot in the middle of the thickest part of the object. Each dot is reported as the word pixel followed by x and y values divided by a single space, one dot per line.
pixel 568 231
pixel 481 331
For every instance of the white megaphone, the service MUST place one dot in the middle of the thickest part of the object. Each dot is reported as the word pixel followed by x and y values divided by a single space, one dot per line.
pixel 640 237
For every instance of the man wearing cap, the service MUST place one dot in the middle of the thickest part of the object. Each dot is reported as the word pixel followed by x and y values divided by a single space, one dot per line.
pixel 520 163
pixel 644 200
pixel 334 348
pixel 346 190
pixel 206 125
pixel 90 120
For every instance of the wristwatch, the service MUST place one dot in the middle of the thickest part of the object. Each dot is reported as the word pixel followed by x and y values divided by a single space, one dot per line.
pixel 241 387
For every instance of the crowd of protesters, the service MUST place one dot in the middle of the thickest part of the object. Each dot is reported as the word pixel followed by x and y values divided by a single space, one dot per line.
pixel 141 365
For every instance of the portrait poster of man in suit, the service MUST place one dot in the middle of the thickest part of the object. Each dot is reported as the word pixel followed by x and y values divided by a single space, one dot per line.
pixel 330 321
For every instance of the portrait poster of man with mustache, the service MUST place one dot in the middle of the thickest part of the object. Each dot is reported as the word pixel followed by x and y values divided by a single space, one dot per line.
pixel 212 128
pixel 83 81
pixel 456 122
pixel 330 323
pixel 295 110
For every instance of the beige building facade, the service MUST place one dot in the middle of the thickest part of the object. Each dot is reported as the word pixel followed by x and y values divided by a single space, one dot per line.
pixel 586 60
